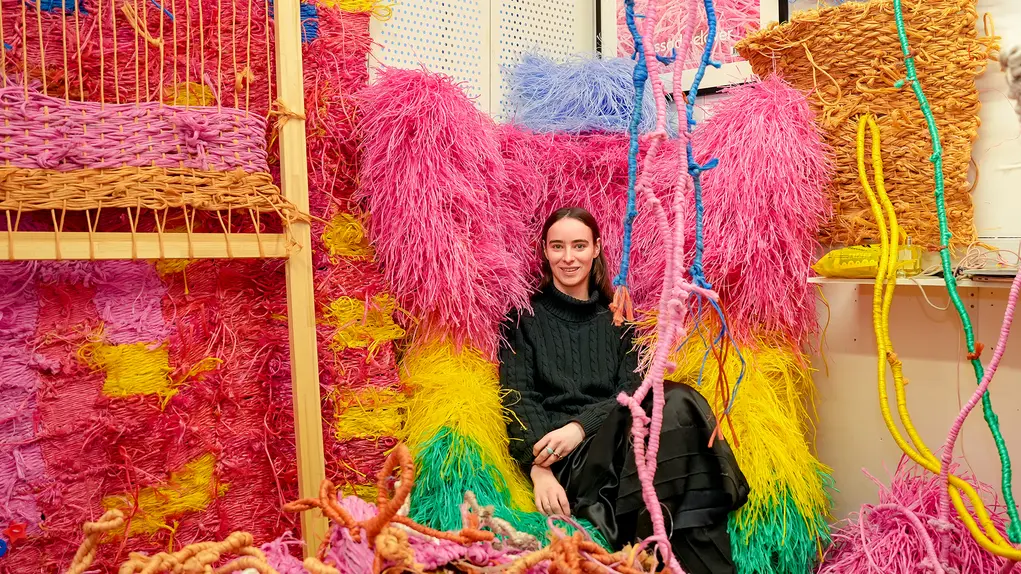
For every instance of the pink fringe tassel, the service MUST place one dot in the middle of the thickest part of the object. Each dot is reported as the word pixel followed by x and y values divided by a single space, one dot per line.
pixel 763 207
pixel 434 182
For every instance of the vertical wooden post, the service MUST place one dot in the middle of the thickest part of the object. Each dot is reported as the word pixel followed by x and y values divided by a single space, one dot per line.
pixel 308 425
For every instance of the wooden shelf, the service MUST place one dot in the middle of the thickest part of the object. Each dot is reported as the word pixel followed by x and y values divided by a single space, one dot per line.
pixel 926 281
pixel 36 245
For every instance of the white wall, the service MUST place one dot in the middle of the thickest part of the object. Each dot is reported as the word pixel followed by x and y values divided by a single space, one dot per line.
pixel 474 41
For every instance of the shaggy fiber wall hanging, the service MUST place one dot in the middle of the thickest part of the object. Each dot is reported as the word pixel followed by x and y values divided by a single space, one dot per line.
pixel 784 525
pixel 466 270
pixel 174 408
pixel 848 58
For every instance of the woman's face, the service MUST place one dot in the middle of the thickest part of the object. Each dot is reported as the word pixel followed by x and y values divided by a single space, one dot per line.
pixel 570 249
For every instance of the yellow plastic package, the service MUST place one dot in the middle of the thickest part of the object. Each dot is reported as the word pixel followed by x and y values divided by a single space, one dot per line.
pixel 854 262
pixel 862 262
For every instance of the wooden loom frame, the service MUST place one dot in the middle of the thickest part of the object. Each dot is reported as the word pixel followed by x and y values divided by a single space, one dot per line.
pixel 295 246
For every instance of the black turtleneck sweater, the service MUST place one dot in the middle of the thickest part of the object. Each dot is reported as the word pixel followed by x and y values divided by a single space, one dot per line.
pixel 566 362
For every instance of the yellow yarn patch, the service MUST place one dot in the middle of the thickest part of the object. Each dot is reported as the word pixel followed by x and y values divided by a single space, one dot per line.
pixel 381 10
pixel 460 390
pixel 370 413
pixel 190 489
pixel 133 369
pixel 367 492
pixel 769 418
pixel 345 237
pixel 361 326
pixel 171 266
pixel 189 94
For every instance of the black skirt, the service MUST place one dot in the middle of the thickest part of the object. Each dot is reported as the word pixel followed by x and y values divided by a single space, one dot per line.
pixel 697 485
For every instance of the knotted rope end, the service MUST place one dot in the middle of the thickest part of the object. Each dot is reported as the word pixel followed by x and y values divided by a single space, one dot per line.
pixel 979 347
pixel 622 306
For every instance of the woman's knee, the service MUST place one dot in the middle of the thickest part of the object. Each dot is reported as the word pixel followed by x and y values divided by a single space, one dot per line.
pixel 684 403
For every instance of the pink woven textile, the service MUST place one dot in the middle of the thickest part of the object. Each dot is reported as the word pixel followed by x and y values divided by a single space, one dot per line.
pixel 51 133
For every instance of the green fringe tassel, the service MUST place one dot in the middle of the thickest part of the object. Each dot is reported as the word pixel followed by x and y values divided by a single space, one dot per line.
pixel 785 543
pixel 450 464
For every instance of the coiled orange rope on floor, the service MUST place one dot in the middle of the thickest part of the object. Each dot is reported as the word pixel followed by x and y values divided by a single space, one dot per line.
pixel 389 543
pixel 197 558
pixel 387 533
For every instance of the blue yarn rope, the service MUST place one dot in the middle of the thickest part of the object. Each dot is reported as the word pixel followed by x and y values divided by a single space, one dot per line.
pixel 309 21
pixel 165 11
pixel 695 170
pixel 641 74
pixel 54 5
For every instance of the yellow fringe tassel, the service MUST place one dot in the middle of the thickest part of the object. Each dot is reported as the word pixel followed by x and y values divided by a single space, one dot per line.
pixel 345 237
pixel 460 390
pixel 370 413
pixel 190 489
pixel 171 266
pixel 362 326
pixel 768 420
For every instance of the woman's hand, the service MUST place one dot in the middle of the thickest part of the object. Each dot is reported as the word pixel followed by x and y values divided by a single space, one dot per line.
pixel 557 444
pixel 550 497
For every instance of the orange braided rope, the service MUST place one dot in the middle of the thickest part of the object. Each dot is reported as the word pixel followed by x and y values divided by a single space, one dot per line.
pixel 569 555
pixel 390 542
pixel 566 554
pixel 377 530
pixel 112 521
pixel 198 558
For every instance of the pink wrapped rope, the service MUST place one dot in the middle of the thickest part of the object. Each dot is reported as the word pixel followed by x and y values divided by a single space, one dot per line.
pixel 955 429
pixel 645 430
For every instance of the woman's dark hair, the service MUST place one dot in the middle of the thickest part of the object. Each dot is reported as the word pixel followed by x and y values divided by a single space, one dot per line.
pixel 599 278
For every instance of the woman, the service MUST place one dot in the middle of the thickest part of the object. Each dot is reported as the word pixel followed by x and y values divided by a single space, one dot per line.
pixel 564 366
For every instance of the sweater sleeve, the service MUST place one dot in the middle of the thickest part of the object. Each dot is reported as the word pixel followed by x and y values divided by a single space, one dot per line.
pixel 628 379
pixel 529 421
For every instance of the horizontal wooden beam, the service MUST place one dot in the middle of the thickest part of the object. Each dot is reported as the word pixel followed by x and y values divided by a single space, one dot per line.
pixel 36 245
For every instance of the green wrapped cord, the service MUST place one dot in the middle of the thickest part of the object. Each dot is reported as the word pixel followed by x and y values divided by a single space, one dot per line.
pixel 1014 528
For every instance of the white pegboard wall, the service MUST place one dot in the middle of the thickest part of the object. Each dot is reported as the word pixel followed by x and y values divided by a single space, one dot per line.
pixel 445 36
pixel 554 28
pixel 475 41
